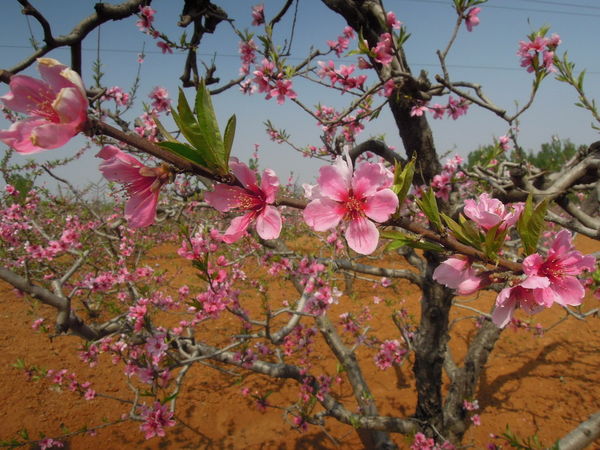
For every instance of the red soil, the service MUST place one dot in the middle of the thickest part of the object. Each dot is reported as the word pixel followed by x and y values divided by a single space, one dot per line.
pixel 544 385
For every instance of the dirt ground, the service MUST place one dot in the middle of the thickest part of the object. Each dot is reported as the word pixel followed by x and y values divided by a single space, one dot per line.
pixel 537 385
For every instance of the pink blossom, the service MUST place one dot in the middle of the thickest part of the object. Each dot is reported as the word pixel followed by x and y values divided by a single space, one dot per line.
pixel 146 18
pixel 282 89
pixel 390 353
pixel 37 323
pixel 457 273
pixel 117 94
pixel 383 50
pixel 160 99
pixel 488 212
pixel 419 109
pixel 57 106
pixel 471 19
pixel 388 87
pixel 155 419
pixel 504 142
pixel 422 442
pixel 550 280
pixel 166 48
pixel 255 200
pixel 358 198
pixel 455 108
pixel 364 64
pixel 391 21
pixel 141 182
pixel 50 443
pixel 258 15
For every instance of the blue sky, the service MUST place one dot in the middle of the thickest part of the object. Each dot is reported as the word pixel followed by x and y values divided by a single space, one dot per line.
pixel 486 56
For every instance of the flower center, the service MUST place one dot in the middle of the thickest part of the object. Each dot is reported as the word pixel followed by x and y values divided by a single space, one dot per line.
pixel 354 207
pixel 42 106
pixel 249 200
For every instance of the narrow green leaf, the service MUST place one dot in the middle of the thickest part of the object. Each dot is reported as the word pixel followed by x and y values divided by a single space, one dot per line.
pixel 456 229
pixel 531 223
pixel 493 241
pixel 185 151
pixel 428 205
pixel 228 138
pixel 207 120
pixel 400 239
pixel 403 180
pixel 168 136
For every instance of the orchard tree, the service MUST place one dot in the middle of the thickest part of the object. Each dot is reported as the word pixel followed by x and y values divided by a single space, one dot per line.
pixel 499 224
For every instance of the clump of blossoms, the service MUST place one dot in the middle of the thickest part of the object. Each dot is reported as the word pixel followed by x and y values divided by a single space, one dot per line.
pixel 255 200
pixel 547 281
pixel 357 198
pixel 273 82
pixel 57 106
pixel 538 53
pixel 142 183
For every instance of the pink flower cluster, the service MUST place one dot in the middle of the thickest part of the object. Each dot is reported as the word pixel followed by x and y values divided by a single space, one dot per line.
pixel 142 183
pixel 117 94
pixel 356 198
pixel 57 106
pixel 471 18
pixel 160 99
pixel 422 442
pixel 487 212
pixel 390 353
pixel 258 15
pixel 341 75
pixel 254 200
pixel 538 53
pixel 156 418
pixel 247 51
pixel 454 108
pixel 273 82
pixel 547 281
pixel 384 50
pixel 340 45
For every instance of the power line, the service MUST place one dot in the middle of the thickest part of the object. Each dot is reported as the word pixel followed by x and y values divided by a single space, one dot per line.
pixel 231 55
pixel 566 5
pixel 514 8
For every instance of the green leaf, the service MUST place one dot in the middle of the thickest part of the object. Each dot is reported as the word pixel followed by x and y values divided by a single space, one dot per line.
pixel 464 232
pixel 207 120
pixel 168 136
pixel 185 151
pixel 494 241
pixel 228 138
pixel 400 239
pixel 403 179
pixel 428 205
pixel 531 223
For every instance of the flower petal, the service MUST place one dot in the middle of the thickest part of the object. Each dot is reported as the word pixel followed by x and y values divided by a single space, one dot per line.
pixel 18 136
pixel 334 182
pixel 225 197
pixel 140 210
pixel 238 228
pixel 368 179
pixel 26 94
pixel 362 236
pixel 505 306
pixel 52 135
pixel 243 173
pixel 268 223
pixel 568 291
pixel 269 184
pixel 381 205
pixel 322 214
